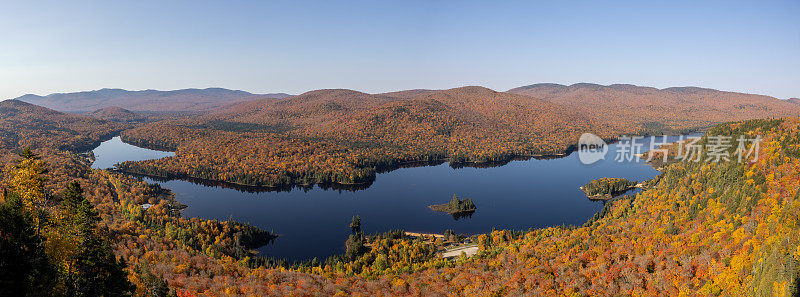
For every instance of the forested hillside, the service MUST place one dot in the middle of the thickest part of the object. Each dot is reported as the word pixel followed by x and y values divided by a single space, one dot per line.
pixel 24 124
pixel 705 228
pixel 117 114
pixel 651 110
pixel 702 228
pixel 69 230
pixel 343 136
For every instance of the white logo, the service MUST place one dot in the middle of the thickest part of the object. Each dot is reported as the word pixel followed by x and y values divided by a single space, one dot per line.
pixel 591 148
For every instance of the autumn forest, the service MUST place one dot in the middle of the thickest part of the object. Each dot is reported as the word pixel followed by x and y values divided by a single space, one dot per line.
pixel 698 228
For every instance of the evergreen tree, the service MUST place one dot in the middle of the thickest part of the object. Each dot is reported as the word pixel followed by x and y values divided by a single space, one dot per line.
pixel 458 205
pixel 450 235
pixel 27 181
pixel 24 267
pixel 95 270
pixel 61 255
pixel 468 204
pixel 73 196
pixel 354 246
pixel 27 153
pixel 454 203
pixel 355 224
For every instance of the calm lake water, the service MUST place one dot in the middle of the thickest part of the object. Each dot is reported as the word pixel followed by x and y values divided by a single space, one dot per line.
pixel 115 151
pixel 314 223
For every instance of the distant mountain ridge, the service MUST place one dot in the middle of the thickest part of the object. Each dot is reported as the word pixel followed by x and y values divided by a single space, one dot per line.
pixel 146 100
pixel 649 109
pixel 332 108
pixel 626 106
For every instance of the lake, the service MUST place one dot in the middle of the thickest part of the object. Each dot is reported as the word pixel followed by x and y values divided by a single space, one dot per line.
pixel 115 151
pixel 314 222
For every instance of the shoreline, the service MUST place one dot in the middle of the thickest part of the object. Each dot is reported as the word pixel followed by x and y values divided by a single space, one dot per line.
pixel 350 186
pixel 336 185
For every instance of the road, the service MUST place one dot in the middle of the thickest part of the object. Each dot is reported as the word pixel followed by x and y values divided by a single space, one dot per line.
pixel 470 250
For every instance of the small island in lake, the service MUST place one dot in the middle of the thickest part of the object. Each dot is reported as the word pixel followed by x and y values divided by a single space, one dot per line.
pixel 607 187
pixel 456 206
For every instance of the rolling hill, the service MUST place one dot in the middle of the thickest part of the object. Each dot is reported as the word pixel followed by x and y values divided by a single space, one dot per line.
pixel 649 109
pixel 146 100
pixel 24 124
pixel 344 111
pixel 345 136
pixel 702 228
pixel 116 114
pixel 337 136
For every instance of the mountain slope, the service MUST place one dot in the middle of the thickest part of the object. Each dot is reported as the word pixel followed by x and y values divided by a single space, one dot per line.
pixel 345 136
pixel 650 110
pixel 702 228
pixel 346 109
pixel 24 124
pixel 147 100
pixel 313 108
pixel 116 114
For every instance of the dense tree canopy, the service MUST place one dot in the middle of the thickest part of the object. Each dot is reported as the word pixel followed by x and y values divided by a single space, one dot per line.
pixel 700 228
pixel 607 186
pixel 342 136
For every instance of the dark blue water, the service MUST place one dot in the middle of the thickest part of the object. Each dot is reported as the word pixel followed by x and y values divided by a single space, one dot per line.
pixel 314 223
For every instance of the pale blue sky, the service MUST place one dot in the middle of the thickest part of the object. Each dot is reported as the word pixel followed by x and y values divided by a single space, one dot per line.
pixel 377 46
